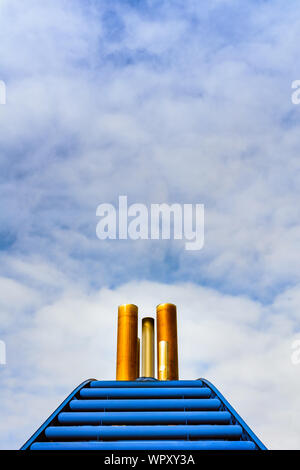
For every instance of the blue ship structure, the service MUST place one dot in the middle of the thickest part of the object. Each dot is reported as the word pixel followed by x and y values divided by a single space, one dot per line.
pixel 144 414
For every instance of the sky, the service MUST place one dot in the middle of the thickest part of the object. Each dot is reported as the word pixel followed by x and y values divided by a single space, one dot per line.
pixel 165 102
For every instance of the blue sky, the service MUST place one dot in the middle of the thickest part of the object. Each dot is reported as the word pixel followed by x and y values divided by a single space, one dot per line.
pixel 180 101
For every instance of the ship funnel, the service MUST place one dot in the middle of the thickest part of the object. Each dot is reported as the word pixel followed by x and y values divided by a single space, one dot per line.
pixel 148 347
pixel 127 343
pixel 167 348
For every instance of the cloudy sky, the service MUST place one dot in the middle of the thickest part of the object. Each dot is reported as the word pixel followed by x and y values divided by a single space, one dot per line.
pixel 163 101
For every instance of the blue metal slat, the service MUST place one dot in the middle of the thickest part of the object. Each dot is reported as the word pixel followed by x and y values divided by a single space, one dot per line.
pixel 145 384
pixel 149 404
pixel 146 445
pixel 144 417
pixel 65 433
pixel 146 392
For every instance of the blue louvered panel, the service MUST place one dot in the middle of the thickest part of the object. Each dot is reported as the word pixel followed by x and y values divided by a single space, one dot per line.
pixel 148 415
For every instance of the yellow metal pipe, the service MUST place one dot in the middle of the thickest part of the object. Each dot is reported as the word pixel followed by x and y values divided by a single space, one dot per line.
pixel 163 365
pixel 138 357
pixel 166 316
pixel 148 347
pixel 127 360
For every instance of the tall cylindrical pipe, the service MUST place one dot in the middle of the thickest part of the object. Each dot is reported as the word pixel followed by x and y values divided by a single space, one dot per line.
pixel 127 342
pixel 166 316
pixel 148 347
